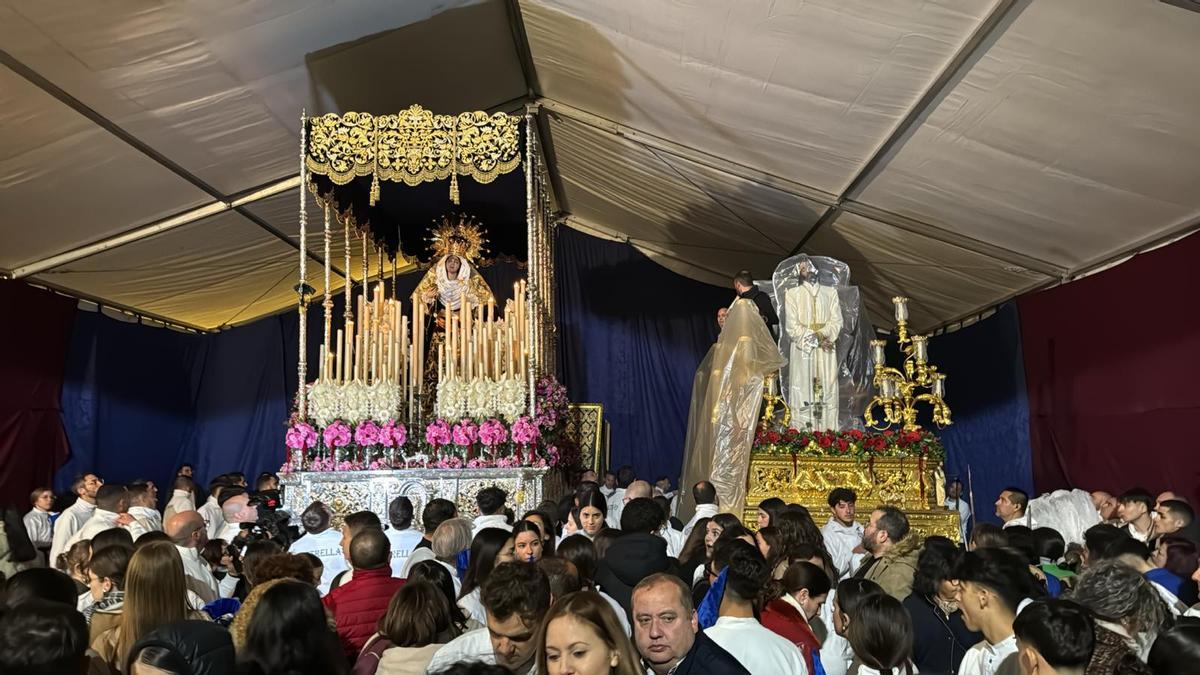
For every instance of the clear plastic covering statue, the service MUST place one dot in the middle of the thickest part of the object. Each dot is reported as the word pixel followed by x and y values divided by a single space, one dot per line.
pixel 726 394
pixel 824 337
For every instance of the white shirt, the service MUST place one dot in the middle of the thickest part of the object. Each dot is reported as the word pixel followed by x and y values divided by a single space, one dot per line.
pixel 181 500
pixel 39 527
pixel 618 610
pixel 229 531
pixel 1025 520
pixel 616 504
pixel 674 539
pixel 327 546
pixel 402 544
pixel 985 658
pixel 200 578
pixel 702 511
pixel 150 519
pixel 472 606
pixel 840 541
pixel 100 521
pixel 473 645
pixel 757 648
pixel 964 514
pixel 496 520
pixel 69 522
pixel 1140 536
pixel 836 654
pixel 213 519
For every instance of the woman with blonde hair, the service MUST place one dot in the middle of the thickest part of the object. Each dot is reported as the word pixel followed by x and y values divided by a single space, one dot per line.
pixel 581 635
pixel 155 594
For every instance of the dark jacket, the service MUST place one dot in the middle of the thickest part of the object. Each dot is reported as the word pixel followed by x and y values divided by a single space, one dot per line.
pixel 204 645
pixel 358 606
pixel 1112 656
pixel 939 641
pixel 630 559
pixel 763 302
pixel 706 657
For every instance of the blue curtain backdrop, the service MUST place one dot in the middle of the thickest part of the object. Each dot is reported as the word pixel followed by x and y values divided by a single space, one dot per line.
pixel 985 387
pixel 138 401
pixel 631 335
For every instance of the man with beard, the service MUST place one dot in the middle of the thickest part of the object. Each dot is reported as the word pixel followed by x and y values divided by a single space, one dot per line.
pixel 891 550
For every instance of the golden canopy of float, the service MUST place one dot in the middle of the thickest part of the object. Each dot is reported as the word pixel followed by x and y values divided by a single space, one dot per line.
pixel 382 363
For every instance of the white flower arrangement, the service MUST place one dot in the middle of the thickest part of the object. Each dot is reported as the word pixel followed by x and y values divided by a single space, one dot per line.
pixel 511 399
pixel 353 402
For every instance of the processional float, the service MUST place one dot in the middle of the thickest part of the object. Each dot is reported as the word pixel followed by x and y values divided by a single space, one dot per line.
pixel 408 384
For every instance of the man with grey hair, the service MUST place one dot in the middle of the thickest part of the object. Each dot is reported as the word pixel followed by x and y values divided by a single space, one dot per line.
pixel 667 634
pixel 1133 611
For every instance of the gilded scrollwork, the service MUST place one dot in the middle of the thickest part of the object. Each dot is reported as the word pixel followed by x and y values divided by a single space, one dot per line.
pixel 908 484
pixel 413 147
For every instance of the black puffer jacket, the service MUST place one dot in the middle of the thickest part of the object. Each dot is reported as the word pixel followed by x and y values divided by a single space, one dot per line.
pixel 196 648
pixel 630 559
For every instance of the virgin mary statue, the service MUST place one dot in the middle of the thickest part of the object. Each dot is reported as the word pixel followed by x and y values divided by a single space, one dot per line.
pixel 726 395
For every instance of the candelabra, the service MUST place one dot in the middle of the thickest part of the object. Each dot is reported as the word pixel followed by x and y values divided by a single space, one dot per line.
pixel 898 389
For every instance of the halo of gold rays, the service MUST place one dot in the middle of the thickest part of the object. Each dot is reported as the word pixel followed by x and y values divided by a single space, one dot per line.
pixel 458 235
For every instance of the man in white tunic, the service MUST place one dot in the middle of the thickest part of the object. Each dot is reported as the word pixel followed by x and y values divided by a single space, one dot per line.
pixel 143 506
pixel 112 510
pixel 993 585
pixel 37 521
pixel 322 541
pixel 812 319
pixel 401 535
pixel 74 516
pixel 182 497
pixel 843 536
pixel 757 648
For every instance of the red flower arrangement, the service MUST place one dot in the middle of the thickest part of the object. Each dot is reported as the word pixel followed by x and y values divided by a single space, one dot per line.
pixel 855 443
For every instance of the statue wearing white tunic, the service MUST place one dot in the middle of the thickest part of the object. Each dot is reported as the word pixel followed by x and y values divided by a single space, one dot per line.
pixel 813 321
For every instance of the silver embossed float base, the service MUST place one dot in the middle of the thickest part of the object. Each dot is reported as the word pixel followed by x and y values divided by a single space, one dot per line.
pixel 349 491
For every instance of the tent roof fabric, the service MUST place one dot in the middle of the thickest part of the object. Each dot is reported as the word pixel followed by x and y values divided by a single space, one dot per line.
pixel 959 152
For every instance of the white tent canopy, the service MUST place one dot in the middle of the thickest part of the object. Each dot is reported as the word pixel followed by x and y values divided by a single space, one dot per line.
pixel 959 152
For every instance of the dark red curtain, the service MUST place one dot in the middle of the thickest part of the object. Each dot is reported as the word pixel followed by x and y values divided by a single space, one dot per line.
pixel 33 352
pixel 1112 365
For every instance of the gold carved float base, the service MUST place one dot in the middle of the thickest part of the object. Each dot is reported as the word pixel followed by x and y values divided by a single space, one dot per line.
pixel 915 487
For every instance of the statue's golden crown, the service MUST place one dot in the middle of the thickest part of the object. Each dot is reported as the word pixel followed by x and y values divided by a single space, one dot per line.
pixel 457 235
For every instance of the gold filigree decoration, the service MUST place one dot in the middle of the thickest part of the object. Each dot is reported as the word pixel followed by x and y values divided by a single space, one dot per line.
pixel 893 481
pixel 413 147
pixel 458 235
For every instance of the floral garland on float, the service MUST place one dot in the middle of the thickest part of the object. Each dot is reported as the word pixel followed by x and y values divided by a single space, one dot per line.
pixel 863 446
pixel 500 437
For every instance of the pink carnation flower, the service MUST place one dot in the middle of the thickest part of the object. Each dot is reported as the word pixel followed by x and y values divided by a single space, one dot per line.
pixel 438 434
pixel 492 433
pixel 337 435
pixel 524 431
pixel 301 436
pixel 367 433
pixel 450 463
pixel 465 433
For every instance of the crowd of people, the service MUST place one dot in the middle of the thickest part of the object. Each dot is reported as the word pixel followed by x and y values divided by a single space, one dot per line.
pixel 605 580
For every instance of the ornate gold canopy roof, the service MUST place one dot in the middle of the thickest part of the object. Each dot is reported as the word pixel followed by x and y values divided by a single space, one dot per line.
pixel 413 147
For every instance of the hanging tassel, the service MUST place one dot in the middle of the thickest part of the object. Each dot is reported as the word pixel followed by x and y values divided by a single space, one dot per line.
pixel 454 185
pixel 374 189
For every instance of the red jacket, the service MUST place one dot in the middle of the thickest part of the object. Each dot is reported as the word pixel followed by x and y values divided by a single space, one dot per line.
pixel 358 606
pixel 781 618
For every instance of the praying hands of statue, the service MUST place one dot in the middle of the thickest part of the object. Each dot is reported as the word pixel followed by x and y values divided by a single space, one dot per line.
pixel 430 296
pixel 825 343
